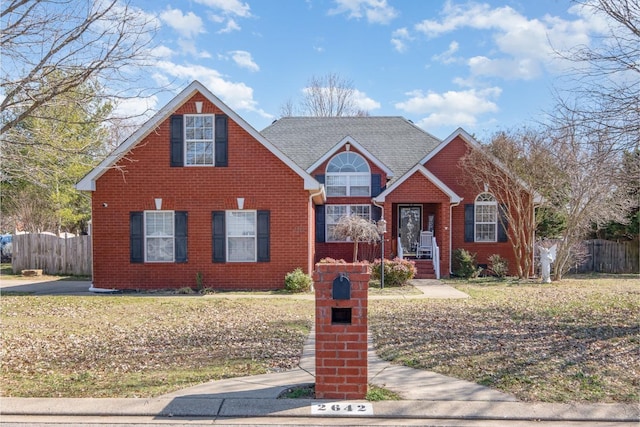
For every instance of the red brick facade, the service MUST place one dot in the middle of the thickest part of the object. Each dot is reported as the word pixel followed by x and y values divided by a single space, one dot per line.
pixel 418 190
pixel 267 181
pixel 253 173
pixel 341 347
pixel 340 250
pixel 445 165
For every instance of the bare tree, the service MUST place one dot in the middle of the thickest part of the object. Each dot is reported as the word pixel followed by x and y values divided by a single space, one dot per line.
pixel 509 168
pixel 330 95
pixel 357 229
pixel 582 181
pixel 602 93
pixel 288 109
pixel 587 187
pixel 102 40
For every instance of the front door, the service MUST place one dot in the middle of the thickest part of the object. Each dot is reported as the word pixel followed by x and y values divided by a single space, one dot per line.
pixel 409 227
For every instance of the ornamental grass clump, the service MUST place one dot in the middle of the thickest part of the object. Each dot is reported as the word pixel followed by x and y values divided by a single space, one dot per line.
pixel 397 271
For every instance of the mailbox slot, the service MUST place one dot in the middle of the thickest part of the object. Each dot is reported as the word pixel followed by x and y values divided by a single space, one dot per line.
pixel 341 315
pixel 341 287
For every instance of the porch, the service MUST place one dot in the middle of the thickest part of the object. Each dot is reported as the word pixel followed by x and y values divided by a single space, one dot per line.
pixel 415 233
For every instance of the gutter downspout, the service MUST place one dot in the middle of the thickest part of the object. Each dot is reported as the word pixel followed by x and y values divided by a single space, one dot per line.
pixel 451 206
pixel 381 216
pixel 310 238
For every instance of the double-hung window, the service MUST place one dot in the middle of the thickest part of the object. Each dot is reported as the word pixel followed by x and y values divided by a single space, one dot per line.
pixel 241 236
pixel 159 236
pixel 486 218
pixel 199 140
pixel 348 174
pixel 333 213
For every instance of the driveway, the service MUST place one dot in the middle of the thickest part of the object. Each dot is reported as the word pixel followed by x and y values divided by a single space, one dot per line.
pixel 46 286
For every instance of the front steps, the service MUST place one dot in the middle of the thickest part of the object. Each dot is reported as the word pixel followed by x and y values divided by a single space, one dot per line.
pixel 425 269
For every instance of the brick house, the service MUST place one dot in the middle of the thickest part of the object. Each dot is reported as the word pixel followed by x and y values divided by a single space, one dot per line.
pixel 198 192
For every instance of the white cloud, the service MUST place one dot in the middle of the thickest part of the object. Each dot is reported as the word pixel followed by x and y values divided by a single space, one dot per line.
pixel 460 108
pixel 189 47
pixel 375 11
pixel 510 69
pixel 363 102
pixel 398 39
pixel 232 25
pixel 447 57
pixel 187 26
pixel 137 108
pixel 229 7
pixel 244 60
pixel 525 47
pixel 238 96
pixel 162 52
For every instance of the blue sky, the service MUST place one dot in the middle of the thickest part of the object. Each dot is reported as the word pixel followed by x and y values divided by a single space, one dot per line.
pixel 479 65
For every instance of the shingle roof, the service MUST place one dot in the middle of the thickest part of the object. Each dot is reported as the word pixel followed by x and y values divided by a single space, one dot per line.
pixel 394 141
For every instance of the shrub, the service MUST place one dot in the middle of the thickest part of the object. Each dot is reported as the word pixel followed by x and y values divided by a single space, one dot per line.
pixel 397 271
pixel 464 264
pixel 499 266
pixel 297 281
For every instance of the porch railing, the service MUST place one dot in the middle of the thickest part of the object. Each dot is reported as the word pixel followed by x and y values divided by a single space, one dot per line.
pixel 435 256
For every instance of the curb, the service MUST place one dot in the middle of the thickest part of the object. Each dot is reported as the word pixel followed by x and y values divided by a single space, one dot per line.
pixel 207 407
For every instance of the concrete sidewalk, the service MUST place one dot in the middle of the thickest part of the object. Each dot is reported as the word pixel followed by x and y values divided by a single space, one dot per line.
pixel 428 398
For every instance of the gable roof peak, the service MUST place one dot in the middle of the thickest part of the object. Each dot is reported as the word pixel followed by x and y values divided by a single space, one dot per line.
pixel 88 182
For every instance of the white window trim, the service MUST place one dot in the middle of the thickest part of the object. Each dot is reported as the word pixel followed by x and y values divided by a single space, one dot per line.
pixel 348 210
pixel 477 203
pixel 212 140
pixel 173 237
pixel 348 176
pixel 228 214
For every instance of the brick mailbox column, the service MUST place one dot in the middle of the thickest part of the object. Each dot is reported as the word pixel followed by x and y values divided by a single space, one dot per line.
pixel 341 330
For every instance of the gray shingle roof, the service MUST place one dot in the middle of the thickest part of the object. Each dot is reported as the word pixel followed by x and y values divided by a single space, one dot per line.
pixel 394 141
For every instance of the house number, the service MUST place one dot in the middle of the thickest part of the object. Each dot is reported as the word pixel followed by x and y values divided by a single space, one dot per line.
pixel 342 408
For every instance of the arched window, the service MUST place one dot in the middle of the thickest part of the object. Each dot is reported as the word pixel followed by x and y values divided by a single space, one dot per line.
pixel 486 218
pixel 348 174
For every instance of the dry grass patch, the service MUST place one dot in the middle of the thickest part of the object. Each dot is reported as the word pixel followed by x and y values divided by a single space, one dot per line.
pixel 574 341
pixel 105 346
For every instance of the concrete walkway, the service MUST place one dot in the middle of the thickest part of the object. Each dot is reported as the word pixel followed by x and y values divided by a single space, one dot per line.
pixel 429 398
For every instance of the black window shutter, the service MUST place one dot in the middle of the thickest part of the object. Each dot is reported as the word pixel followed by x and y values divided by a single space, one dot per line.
pixel 376 184
pixel 176 141
pixel 320 237
pixel 469 223
pixel 264 254
pixel 320 178
pixel 136 236
pixel 376 213
pixel 218 228
pixel 180 221
pixel 503 224
pixel 221 144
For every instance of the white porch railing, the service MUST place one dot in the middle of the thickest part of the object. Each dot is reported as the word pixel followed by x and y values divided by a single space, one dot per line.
pixel 435 257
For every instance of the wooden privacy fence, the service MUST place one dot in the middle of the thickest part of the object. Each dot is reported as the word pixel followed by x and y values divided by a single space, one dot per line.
pixel 52 254
pixel 605 256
